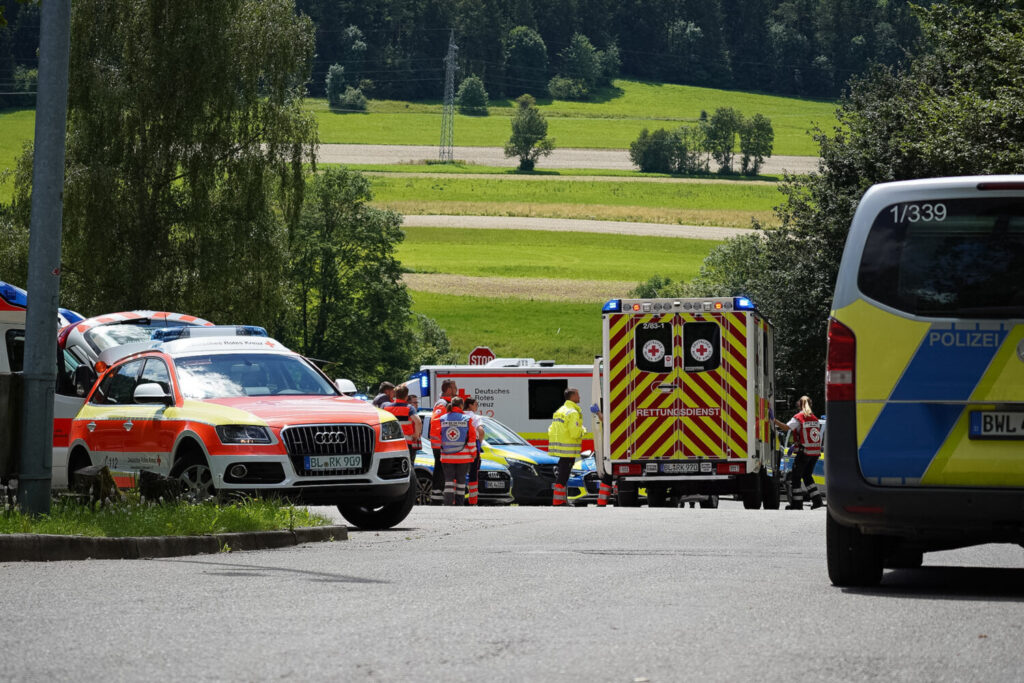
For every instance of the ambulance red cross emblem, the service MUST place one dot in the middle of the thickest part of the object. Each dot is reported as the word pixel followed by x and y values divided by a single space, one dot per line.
pixel 701 350
pixel 452 434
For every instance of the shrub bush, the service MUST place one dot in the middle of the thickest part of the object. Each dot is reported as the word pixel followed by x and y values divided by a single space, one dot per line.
pixel 352 100
pixel 656 152
pixel 334 84
pixel 472 98
pixel 562 88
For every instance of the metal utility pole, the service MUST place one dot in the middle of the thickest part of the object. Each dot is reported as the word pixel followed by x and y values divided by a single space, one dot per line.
pixel 44 257
pixel 445 154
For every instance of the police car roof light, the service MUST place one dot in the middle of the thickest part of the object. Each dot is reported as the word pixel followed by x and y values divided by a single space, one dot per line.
pixel 612 306
pixel 71 316
pixel 742 303
pixel 16 296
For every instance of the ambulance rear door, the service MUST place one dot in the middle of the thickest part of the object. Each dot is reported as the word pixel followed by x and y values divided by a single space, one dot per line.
pixel 678 386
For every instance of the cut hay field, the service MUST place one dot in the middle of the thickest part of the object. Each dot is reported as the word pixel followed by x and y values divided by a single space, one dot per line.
pixel 612 121
pixel 691 203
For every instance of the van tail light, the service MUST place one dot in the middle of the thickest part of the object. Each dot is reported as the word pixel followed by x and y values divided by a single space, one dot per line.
pixel 731 468
pixel 839 370
pixel 629 469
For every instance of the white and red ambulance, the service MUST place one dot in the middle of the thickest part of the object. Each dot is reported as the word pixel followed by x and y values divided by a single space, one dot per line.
pixel 523 396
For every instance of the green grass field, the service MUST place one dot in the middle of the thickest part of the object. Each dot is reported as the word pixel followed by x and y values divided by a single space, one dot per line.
pixel 724 204
pixel 538 254
pixel 653 195
pixel 611 122
pixel 16 127
pixel 564 332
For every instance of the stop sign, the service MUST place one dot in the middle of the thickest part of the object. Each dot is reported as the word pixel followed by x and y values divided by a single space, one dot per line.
pixel 481 355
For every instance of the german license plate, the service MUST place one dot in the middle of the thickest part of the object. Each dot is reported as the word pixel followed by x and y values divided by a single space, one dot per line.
pixel 680 467
pixel 315 463
pixel 494 484
pixel 997 424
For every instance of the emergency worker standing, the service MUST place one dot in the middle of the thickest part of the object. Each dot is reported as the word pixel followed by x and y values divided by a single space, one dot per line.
pixel 806 429
pixel 458 450
pixel 411 424
pixel 448 389
pixel 564 438
pixel 477 432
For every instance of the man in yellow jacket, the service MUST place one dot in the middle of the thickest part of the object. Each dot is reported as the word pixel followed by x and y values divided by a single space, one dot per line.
pixel 564 438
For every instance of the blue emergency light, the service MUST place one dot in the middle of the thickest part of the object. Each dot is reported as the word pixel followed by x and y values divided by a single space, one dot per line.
pixel 424 378
pixel 612 306
pixel 16 296
pixel 742 303
pixel 71 316
pixel 166 334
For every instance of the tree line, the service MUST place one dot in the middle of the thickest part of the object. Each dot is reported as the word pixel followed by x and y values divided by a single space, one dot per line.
pixel 793 47
pixel 394 48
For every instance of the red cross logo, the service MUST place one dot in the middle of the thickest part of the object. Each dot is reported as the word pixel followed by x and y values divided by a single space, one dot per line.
pixel 463 395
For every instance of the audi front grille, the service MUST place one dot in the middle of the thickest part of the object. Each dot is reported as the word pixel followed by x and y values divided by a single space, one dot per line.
pixel 326 440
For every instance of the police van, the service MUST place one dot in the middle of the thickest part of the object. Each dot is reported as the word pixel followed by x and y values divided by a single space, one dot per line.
pixel 925 375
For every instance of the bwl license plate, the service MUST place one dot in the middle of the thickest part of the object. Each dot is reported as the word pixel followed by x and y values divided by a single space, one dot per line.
pixel 680 467
pixel 333 462
pixel 997 424
pixel 494 484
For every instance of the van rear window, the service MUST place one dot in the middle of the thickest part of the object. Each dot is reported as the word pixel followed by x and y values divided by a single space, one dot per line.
pixel 955 258
pixel 16 349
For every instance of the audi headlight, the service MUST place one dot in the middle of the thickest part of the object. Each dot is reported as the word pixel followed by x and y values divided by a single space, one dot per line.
pixel 391 431
pixel 520 466
pixel 243 434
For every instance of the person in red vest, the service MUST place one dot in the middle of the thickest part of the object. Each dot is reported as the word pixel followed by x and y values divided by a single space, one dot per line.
pixel 448 389
pixel 475 420
pixel 458 451
pixel 806 428
pixel 411 424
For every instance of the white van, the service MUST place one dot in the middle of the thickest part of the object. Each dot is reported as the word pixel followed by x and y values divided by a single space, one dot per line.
pixel 925 375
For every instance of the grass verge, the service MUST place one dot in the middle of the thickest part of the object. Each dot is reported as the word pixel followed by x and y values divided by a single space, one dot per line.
pixel 561 331
pixel 17 126
pixel 133 517
pixel 539 254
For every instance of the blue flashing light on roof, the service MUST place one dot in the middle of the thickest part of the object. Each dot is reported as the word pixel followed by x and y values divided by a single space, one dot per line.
pixel 742 303
pixel 15 296
pixel 166 334
pixel 70 316
pixel 612 306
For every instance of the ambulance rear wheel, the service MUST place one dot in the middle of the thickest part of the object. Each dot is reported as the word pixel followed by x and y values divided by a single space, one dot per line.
pixel 752 495
pixel 657 497
pixel 854 558
pixel 770 496
pixel 629 497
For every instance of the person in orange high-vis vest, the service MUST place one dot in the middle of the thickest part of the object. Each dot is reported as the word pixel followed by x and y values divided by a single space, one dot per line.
pixel 458 451
pixel 448 389
pixel 473 492
pixel 806 430
pixel 407 418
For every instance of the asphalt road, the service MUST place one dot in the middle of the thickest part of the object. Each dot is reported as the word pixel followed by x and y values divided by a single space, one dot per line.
pixel 516 594
pixel 567 157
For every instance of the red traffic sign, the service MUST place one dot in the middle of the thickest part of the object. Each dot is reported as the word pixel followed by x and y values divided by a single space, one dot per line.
pixel 481 355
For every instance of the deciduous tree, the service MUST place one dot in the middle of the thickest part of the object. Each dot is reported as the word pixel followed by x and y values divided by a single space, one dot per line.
pixel 529 139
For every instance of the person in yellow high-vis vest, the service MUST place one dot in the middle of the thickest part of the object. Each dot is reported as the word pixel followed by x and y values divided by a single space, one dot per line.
pixel 564 438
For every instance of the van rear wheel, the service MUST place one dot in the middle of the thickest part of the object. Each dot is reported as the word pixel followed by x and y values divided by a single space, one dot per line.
pixel 770 495
pixel 854 558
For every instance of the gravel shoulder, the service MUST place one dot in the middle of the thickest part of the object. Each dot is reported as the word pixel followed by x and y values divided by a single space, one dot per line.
pixel 575 225
pixel 617 159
